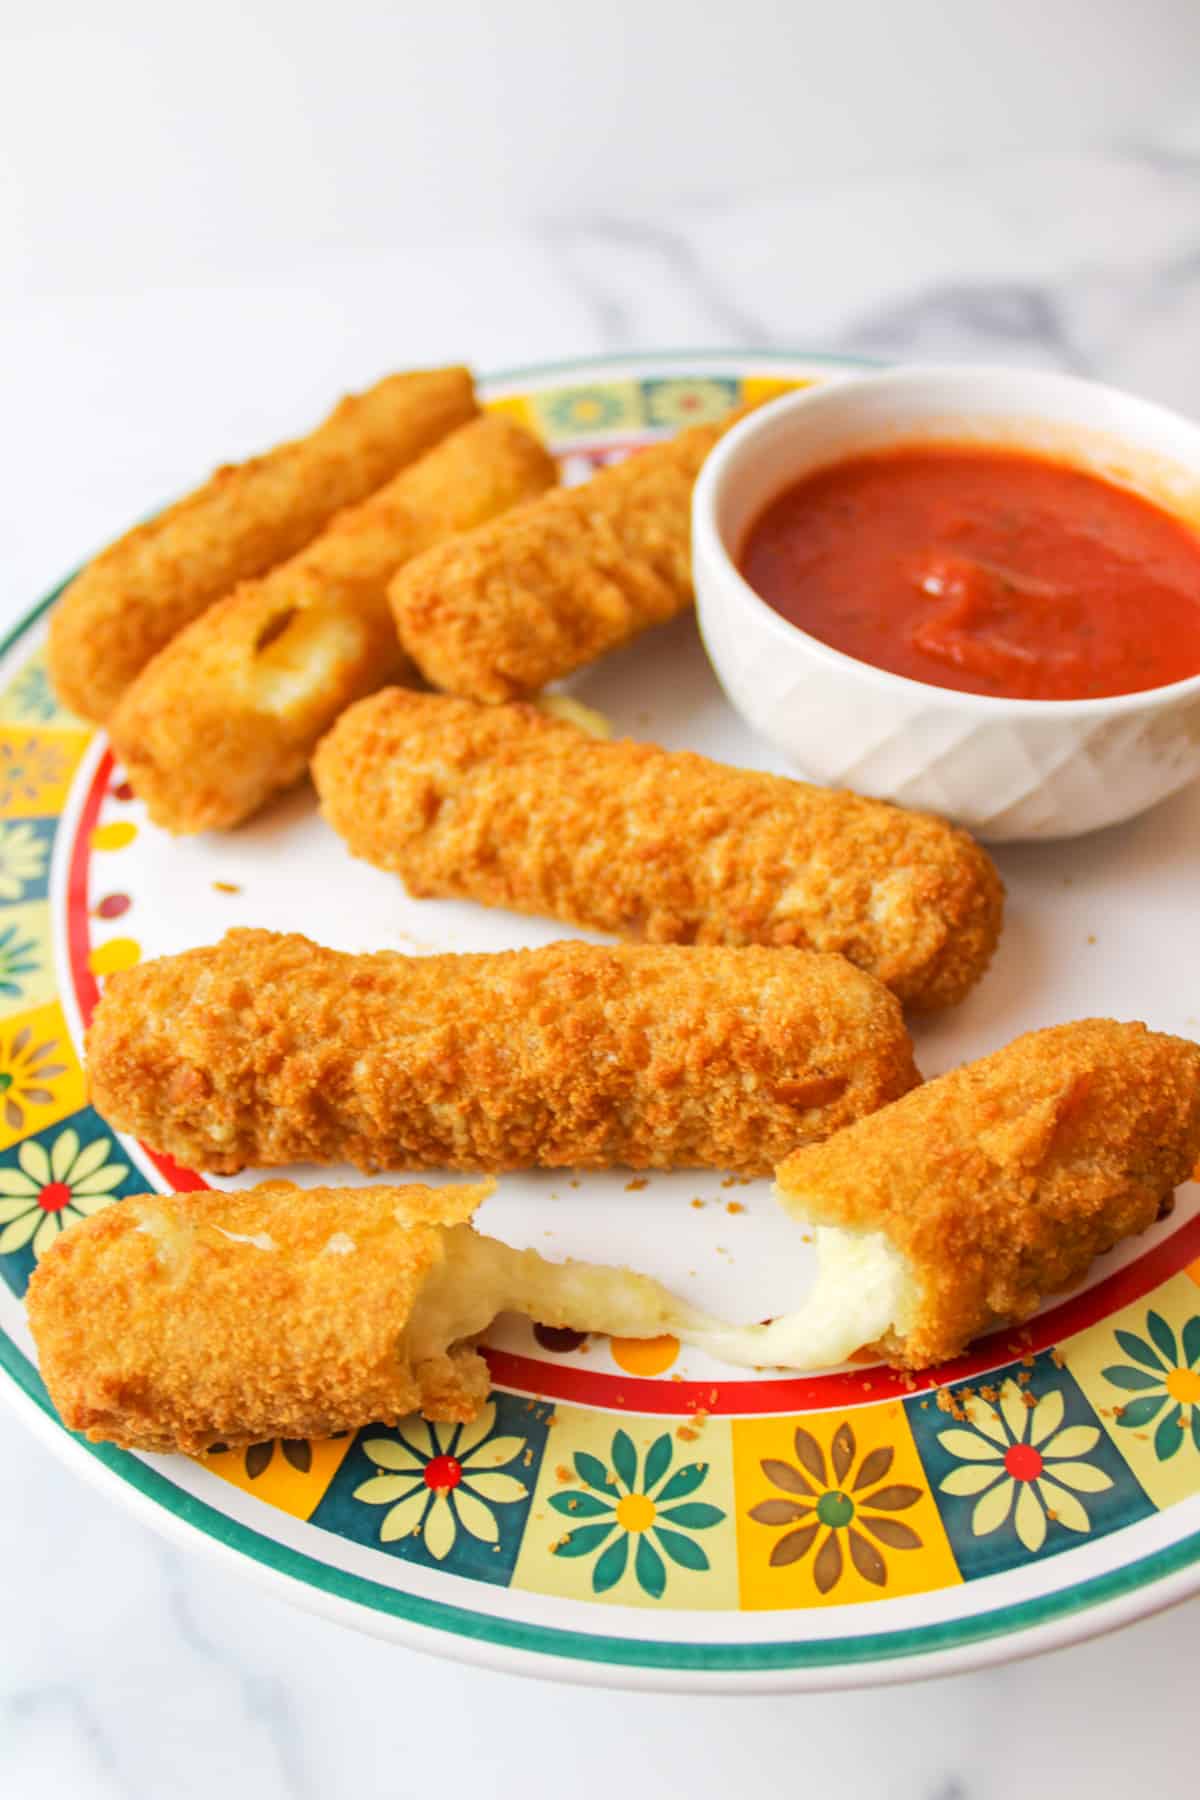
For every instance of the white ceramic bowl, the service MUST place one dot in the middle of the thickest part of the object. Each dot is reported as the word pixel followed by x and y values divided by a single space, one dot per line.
pixel 1007 769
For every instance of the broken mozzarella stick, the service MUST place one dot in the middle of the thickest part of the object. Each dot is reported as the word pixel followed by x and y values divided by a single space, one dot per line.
pixel 132 599
pixel 267 1049
pixel 182 1321
pixel 228 713
pixel 512 808
pixel 967 1203
pixel 500 612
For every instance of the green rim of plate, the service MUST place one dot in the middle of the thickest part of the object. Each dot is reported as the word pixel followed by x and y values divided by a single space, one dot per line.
pixel 552 1640
pixel 555 1641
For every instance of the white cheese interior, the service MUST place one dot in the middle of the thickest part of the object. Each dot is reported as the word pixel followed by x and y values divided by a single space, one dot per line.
pixel 307 660
pixel 864 1289
pixel 262 1240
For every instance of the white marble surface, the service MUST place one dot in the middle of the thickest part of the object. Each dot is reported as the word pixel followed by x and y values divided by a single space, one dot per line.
pixel 126 1668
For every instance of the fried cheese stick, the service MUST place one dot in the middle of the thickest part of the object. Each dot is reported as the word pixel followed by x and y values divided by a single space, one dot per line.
pixel 267 1049
pixel 498 613
pixel 181 1321
pixel 135 596
pixel 185 1320
pixel 509 807
pixel 228 713
pixel 986 1190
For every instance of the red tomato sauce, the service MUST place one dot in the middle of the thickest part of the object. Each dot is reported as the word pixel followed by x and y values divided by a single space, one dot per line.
pixel 991 571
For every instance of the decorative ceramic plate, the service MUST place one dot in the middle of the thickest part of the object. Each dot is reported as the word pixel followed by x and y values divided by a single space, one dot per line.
pixel 626 1511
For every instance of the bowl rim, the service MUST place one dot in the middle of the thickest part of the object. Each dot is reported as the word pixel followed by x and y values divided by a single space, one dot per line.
pixel 722 462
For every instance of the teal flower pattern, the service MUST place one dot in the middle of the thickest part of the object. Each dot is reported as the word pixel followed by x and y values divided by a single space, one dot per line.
pixel 1162 1373
pixel 18 958
pixel 647 1509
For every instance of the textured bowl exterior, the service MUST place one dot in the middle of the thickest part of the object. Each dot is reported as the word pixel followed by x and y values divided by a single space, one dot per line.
pixel 1007 770
pixel 1003 778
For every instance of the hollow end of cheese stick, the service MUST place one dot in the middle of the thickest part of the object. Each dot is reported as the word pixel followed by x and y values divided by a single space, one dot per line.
pixel 132 599
pixel 229 712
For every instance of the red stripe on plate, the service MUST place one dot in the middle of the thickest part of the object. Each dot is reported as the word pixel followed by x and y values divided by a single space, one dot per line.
pixel 79 931
pixel 812 1393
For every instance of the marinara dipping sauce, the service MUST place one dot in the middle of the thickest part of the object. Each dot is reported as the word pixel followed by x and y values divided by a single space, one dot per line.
pixel 991 571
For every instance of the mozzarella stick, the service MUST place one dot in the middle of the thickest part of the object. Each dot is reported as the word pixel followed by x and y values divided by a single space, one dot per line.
pixel 511 808
pixel 267 1049
pixel 517 603
pixel 229 712
pixel 181 1321
pixel 133 598
pixel 975 1197
pixel 175 1322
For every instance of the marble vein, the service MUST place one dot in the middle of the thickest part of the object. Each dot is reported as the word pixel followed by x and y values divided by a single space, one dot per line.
pixel 998 320
pixel 63 1709
pixel 597 253
pixel 264 1700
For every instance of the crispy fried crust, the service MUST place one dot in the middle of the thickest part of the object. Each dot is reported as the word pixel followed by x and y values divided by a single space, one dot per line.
pixel 266 1049
pixel 1002 1181
pixel 182 1321
pixel 498 613
pixel 230 710
pixel 511 808
pixel 135 596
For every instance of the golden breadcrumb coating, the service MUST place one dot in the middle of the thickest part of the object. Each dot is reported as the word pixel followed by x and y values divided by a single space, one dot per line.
pixel 229 711
pixel 182 1321
pixel 504 805
pixel 135 596
pixel 175 1322
pixel 498 613
pixel 1000 1182
pixel 267 1049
